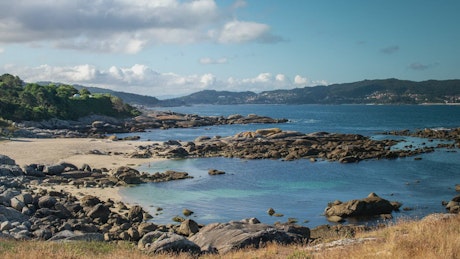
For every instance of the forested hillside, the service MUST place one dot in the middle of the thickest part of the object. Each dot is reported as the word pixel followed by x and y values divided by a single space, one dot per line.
pixel 386 91
pixel 20 101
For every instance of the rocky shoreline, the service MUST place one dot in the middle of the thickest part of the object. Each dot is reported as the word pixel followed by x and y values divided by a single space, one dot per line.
pixel 275 143
pixel 30 207
pixel 97 126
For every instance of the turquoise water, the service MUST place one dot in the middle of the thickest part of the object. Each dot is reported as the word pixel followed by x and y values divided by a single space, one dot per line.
pixel 301 189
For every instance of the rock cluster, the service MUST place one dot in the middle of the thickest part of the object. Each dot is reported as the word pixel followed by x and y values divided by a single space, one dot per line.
pixel 453 206
pixel 287 145
pixel 372 205
pixel 99 126
pixel 29 212
pixel 445 134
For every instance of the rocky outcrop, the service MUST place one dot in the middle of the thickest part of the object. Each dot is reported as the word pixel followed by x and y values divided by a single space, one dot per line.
pixel 29 212
pixel 100 126
pixel 215 172
pixel 373 205
pixel 166 242
pixel 224 237
pixel 443 134
pixel 274 143
pixel 453 206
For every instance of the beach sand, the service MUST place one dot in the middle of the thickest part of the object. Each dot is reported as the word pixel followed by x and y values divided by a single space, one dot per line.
pixel 76 151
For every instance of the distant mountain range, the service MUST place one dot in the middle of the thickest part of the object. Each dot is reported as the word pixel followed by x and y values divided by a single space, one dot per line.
pixel 385 91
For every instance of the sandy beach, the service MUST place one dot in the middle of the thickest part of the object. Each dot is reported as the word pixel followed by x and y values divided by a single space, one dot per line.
pixel 76 151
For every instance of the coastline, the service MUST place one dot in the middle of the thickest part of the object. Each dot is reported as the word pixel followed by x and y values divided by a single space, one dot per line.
pixel 94 152
pixel 77 151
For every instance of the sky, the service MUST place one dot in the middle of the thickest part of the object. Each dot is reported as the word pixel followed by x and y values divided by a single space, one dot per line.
pixel 167 48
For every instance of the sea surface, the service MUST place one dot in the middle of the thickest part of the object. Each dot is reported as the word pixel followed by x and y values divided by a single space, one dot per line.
pixel 301 189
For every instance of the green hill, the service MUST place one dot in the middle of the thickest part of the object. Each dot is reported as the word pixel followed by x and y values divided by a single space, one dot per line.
pixel 386 91
pixel 21 101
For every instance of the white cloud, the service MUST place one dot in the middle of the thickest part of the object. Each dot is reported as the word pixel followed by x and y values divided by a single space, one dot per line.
pixel 208 61
pixel 239 4
pixel 123 25
pixel 299 80
pixel 240 31
pixel 2 50
pixel 281 78
pixel 141 79
pixel 208 80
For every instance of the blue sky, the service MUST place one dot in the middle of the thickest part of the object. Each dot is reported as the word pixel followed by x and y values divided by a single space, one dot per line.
pixel 171 47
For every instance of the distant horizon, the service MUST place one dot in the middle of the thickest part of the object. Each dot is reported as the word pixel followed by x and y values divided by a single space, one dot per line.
pixel 165 97
pixel 178 47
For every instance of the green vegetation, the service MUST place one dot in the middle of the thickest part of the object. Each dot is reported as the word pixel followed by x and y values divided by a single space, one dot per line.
pixel 20 102
pixel 387 91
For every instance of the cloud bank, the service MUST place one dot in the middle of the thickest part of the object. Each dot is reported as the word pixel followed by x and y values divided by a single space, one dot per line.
pixel 142 79
pixel 125 26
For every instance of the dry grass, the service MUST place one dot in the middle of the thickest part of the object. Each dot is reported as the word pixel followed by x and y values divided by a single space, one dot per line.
pixel 428 238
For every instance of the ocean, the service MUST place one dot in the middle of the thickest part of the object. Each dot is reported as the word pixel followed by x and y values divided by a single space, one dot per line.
pixel 301 189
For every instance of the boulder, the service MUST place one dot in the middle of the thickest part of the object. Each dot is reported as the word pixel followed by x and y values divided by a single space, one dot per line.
pixel 5 160
pixel 225 237
pixel 12 215
pixel 5 226
pixel 46 201
pixel 187 212
pixel 166 242
pixel 100 212
pixel 29 170
pixel 26 198
pixel 136 214
pixel 89 201
pixel 42 233
pixel 54 169
pixel 215 172
pixel 128 175
pixel 17 204
pixel 10 170
pixel 188 227
pixel 146 227
pixel 371 206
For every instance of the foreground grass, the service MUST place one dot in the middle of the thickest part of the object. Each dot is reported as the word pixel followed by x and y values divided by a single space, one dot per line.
pixel 407 239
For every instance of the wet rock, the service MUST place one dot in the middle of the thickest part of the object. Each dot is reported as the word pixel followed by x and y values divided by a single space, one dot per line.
pixel 215 172
pixel 187 212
